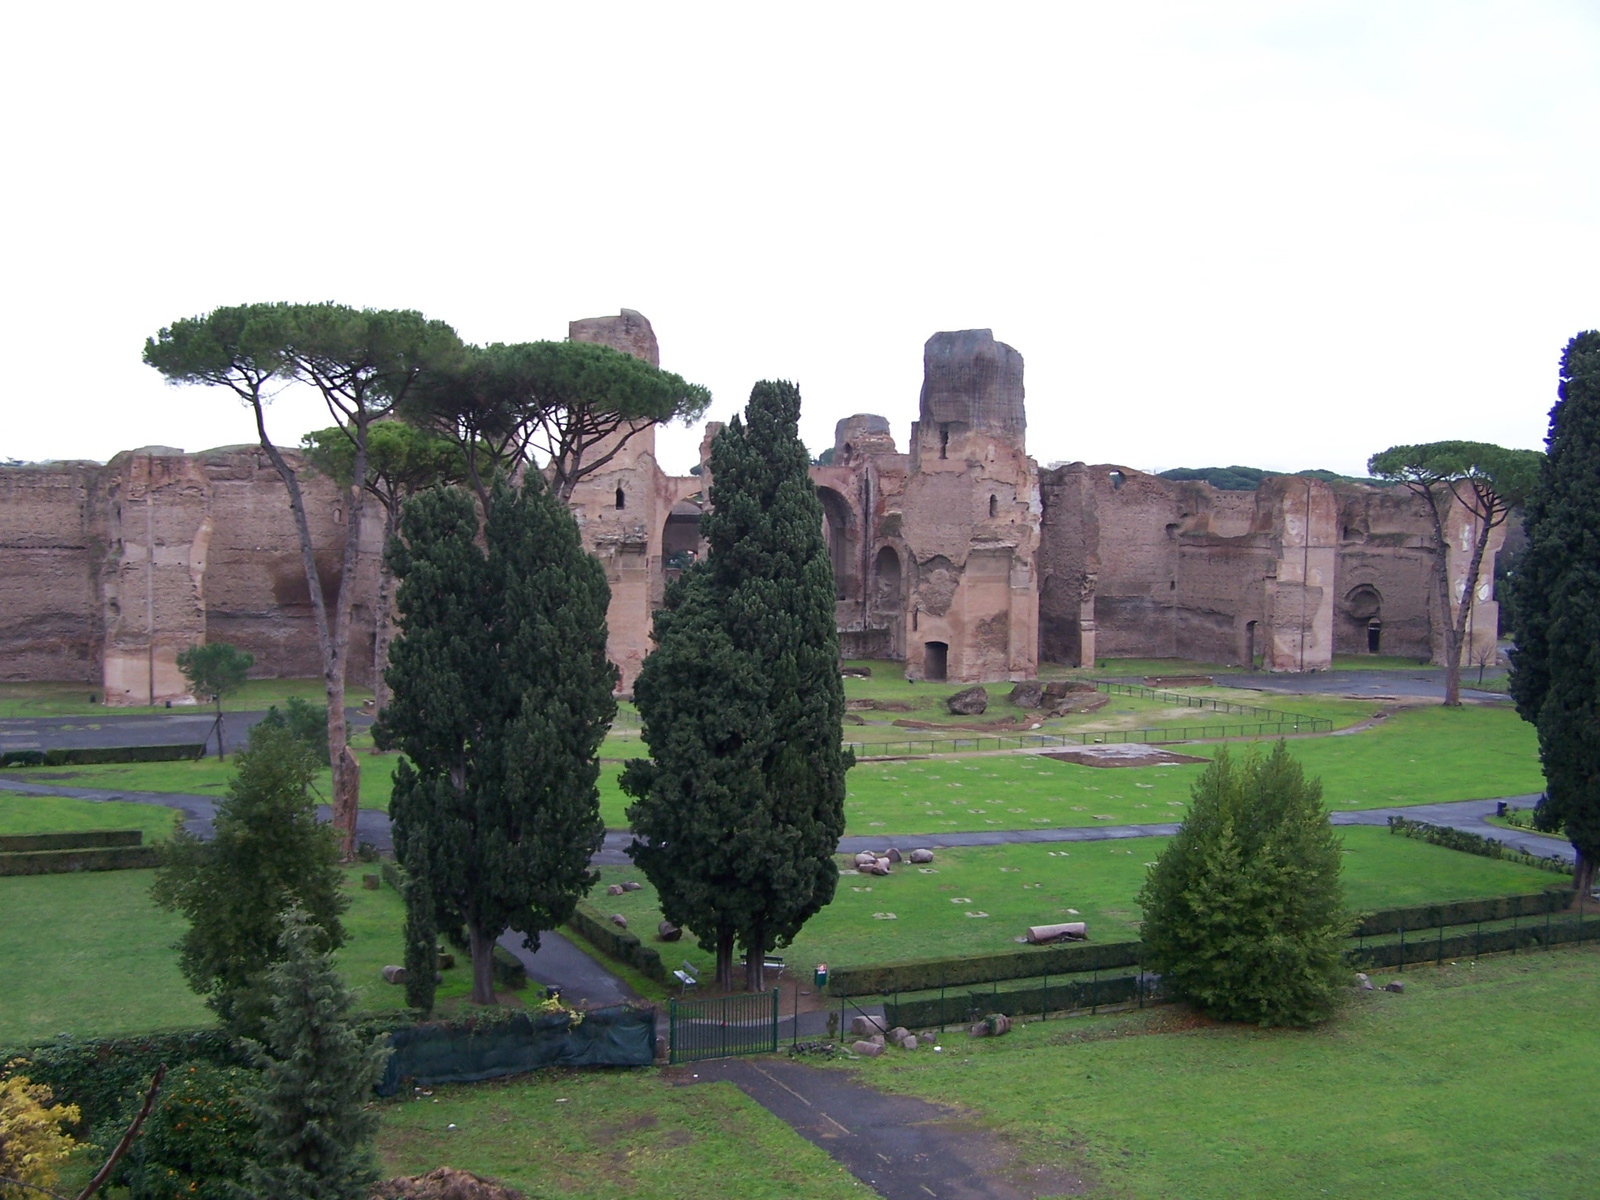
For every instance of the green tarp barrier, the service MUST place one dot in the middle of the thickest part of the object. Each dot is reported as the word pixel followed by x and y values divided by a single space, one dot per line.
pixel 620 1036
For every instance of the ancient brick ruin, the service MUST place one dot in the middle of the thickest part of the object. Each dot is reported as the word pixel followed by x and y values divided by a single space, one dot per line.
pixel 961 557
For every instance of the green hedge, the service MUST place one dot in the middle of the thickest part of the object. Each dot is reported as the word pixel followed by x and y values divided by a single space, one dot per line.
pixel 89 839
pixel 94 755
pixel 617 943
pixel 958 1008
pixel 1473 843
pixel 1063 959
pixel 1464 912
pixel 59 862
pixel 1426 948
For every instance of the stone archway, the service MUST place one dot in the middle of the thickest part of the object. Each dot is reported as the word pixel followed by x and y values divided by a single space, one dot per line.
pixel 1360 621
pixel 839 530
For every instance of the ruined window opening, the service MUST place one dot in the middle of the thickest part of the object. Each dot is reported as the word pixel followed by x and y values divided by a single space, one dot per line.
pixel 1250 645
pixel 914 615
pixel 994 506
pixel 944 441
pixel 622 501
pixel 1116 481
pixel 935 660
pixel 338 516
pixel 1172 585
pixel 1374 636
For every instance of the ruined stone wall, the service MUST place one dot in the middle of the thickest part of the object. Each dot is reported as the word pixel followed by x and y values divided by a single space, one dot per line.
pixel 51 544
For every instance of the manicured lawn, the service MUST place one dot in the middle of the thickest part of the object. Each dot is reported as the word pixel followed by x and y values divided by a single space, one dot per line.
pixel 980 900
pixel 596 1135
pixel 1463 1086
pixel 1418 756
pixel 72 699
pixel 90 954
pixel 57 814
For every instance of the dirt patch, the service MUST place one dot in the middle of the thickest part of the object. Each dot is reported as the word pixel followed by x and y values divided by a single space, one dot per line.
pixel 1005 725
pixel 606 1134
pixel 876 706
pixel 1177 681
pixel 41 776
pixel 445 1183
pixel 1131 755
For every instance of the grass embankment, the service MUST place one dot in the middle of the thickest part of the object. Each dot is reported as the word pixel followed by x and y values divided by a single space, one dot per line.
pixel 57 814
pixel 89 954
pixel 979 900
pixel 599 1134
pixel 1461 1087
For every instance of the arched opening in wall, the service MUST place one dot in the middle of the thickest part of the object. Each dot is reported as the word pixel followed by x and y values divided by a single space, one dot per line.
pixel 944 441
pixel 994 506
pixel 837 532
pixel 935 660
pixel 680 537
pixel 622 501
pixel 1360 620
pixel 886 582
pixel 1250 644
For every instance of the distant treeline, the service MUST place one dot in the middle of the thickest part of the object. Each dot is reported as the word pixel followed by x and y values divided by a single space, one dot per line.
pixel 1247 479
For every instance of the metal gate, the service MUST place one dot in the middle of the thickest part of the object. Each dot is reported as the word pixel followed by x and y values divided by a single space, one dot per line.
pixel 721 1027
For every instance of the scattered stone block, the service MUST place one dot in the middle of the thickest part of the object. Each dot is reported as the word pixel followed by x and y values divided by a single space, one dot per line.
pixel 668 932
pixel 899 1034
pixel 614 890
pixel 394 974
pixel 909 1042
pixel 893 855
pixel 866 1049
pixel 862 1025
pixel 1363 982
pixel 1027 695
pixel 1394 985
pixel 994 1025
pixel 968 702
pixel 620 921
pixel 1066 931
pixel 631 885
pixel 922 856
pixel 446 961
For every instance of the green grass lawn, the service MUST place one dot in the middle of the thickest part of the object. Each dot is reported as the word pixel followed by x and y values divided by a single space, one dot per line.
pixel 57 814
pixel 596 1135
pixel 979 900
pixel 1418 756
pixel 89 954
pixel 72 699
pixel 1470 1084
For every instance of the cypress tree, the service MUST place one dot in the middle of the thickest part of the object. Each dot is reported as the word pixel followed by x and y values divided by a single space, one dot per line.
pixel 739 811
pixel 267 852
pixel 1243 911
pixel 1555 667
pixel 311 1109
pixel 501 695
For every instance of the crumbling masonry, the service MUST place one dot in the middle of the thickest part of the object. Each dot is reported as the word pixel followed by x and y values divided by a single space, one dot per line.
pixel 960 558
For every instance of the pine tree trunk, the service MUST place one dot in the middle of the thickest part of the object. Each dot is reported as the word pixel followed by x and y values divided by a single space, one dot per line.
pixel 481 946
pixel 1583 876
pixel 383 618
pixel 725 960
pixel 755 961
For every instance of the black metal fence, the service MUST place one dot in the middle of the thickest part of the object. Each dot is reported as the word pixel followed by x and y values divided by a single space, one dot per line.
pixel 722 1026
pixel 1268 722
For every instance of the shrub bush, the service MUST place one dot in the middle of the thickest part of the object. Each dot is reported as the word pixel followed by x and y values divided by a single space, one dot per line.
pixel 195 1143
pixel 1243 912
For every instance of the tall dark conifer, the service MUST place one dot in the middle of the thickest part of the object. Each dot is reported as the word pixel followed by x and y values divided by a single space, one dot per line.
pixel 1555 667
pixel 501 697
pixel 740 809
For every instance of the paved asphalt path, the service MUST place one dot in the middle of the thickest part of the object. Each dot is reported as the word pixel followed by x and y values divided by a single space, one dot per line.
pixel 184 725
pixel 1422 683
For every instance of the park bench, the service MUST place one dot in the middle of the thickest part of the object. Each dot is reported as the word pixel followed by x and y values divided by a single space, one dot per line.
pixel 686 977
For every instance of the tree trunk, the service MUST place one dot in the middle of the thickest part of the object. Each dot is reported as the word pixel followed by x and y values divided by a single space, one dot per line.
pixel 1583 876
pixel 1447 624
pixel 383 618
pixel 222 754
pixel 725 960
pixel 1469 599
pixel 755 958
pixel 481 946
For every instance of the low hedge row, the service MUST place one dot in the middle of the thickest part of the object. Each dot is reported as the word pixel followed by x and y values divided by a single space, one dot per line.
pixel 617 943
pixel 1063 959
pixel 1425 948
pixel 1464 912
pixel 59 862
pixel 87 756
pixel 89 839
pixel 1473 843
pixel 956 1008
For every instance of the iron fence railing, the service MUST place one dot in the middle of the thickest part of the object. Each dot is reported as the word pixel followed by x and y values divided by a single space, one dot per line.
pixel 722 1026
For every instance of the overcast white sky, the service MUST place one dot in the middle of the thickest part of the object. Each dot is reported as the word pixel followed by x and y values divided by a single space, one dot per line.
pixel 1284 235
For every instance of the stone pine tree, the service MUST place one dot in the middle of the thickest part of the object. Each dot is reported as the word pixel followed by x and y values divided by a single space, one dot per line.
pixel 268 852
pixel 1555 667
pixel 501 695
pixel 738 812
pixel 1243 911
pixel 311 1109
